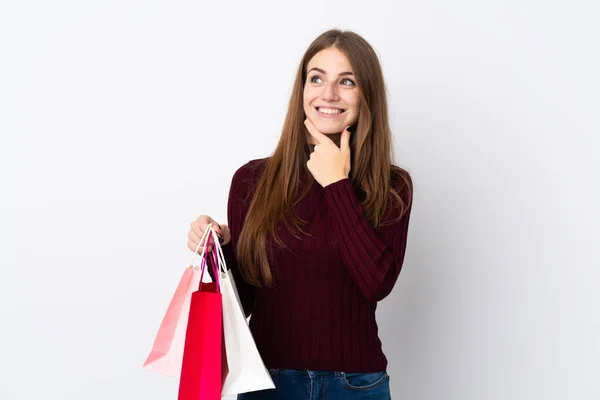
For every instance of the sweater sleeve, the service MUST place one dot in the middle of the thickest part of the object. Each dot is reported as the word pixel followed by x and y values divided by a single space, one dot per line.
pixel 236 214
pixel 373 258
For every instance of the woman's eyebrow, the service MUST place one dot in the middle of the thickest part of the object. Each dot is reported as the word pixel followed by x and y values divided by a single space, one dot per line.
pixel 323 72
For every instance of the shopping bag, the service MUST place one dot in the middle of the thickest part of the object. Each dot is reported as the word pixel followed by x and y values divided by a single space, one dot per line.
pixel 201 369
pixel 167 350
pixel 246 371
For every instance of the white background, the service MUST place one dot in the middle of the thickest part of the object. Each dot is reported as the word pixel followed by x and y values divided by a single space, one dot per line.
pixel 122 121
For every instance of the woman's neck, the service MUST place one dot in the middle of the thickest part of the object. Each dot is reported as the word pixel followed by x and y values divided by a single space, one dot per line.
pixel 335 137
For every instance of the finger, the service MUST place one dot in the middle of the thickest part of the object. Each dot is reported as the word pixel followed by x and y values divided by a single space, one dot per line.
pixel 205 221
pixel 318 136
pixel 209 246
pixel 216 226
pixel 192 245
pixel 195 245
pixel 201 224
pixel 345 140
pixel 196 232
pixel 218 231
pixel 195 236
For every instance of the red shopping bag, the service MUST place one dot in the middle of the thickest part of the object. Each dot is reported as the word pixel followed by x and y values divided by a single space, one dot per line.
pixel 201 369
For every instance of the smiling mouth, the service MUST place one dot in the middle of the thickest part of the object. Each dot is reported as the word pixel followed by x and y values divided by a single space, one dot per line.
pixel 341 111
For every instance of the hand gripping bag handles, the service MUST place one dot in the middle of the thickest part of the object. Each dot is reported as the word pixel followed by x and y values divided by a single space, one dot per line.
pixel 201 369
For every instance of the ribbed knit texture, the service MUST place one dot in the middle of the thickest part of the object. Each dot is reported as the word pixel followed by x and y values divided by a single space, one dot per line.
pixel 321 313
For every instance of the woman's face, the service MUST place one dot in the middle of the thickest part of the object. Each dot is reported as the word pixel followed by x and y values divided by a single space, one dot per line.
pixel 330 83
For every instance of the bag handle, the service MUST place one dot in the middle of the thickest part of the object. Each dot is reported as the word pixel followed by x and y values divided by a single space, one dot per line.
pixel 218 250
pixel 218 264
pixel 214 268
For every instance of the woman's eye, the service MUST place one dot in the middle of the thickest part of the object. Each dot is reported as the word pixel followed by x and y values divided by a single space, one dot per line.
pixel 343 80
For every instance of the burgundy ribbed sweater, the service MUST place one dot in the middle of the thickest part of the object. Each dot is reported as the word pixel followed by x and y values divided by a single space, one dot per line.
pixel 321 314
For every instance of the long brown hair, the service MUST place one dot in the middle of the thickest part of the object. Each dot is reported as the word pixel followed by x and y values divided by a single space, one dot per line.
pixel 372 169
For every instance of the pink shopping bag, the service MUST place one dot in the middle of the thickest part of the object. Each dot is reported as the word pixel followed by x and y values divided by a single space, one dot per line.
pixel 166 355
pixel 167 350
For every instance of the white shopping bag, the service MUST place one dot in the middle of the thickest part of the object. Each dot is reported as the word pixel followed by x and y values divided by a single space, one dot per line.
pixel 247 372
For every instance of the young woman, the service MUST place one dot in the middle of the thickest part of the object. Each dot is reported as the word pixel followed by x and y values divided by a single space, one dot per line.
pixel 317 231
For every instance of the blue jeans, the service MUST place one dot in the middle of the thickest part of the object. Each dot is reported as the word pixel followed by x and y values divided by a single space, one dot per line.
pixel 304 384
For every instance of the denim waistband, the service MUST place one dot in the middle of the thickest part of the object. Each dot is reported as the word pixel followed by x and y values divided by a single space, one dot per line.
pixel 309 372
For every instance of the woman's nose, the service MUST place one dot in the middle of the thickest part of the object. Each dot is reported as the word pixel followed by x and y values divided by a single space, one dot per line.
pixel 329 93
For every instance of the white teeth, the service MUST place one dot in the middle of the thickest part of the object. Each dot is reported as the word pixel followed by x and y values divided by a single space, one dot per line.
pixel 329 111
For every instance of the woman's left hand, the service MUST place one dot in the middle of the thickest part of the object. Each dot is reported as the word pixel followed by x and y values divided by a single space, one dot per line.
pixel 328 163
